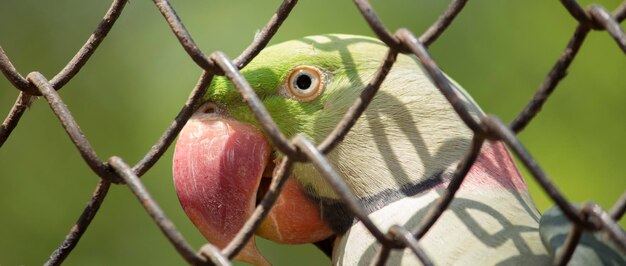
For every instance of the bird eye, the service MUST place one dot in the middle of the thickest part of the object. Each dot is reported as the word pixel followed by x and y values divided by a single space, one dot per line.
pixel 305 83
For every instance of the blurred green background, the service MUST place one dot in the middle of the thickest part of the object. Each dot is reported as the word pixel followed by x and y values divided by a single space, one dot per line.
pixel 134 85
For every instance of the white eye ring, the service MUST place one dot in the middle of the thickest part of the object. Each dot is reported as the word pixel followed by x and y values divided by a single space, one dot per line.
pixel 305 83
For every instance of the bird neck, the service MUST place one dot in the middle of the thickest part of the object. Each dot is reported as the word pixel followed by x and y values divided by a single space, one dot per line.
pixel 493 171
pixel 494 168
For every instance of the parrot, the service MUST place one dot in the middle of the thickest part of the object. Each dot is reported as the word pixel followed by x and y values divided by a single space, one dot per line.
pixel 397 159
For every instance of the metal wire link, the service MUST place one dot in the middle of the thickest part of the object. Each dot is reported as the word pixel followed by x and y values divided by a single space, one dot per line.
pixel 590 217
pixel 168 228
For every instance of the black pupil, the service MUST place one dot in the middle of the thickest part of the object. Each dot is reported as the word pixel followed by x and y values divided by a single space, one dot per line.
pixel 303 82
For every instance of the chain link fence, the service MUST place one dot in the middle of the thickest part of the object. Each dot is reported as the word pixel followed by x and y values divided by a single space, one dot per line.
pixel 588 217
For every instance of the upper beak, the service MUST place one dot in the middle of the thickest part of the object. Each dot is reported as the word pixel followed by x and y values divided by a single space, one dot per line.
pixel 218 167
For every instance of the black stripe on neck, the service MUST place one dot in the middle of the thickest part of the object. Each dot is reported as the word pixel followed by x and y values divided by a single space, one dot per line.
pixel 340 218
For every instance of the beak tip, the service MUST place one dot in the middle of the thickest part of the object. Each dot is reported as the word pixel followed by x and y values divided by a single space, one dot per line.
pixel 252 255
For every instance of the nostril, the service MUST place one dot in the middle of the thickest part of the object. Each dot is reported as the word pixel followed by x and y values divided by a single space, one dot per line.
pixel 209 108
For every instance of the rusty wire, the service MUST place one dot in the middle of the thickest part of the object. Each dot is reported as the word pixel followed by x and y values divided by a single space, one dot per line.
pixel 590 217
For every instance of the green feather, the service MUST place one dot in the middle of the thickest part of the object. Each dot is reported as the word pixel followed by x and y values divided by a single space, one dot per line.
pixel 406 97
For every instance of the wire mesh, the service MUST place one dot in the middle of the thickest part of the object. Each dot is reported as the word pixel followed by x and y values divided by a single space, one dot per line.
pixel 589 217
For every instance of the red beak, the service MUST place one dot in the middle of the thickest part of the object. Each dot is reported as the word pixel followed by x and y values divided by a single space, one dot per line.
pixel 218 167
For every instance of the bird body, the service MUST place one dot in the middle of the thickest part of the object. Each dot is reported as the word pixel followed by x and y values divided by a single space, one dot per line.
pixel 491 220
pixel 397 158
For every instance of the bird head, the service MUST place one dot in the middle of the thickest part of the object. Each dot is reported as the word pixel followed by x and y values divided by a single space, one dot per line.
pixel 407 138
